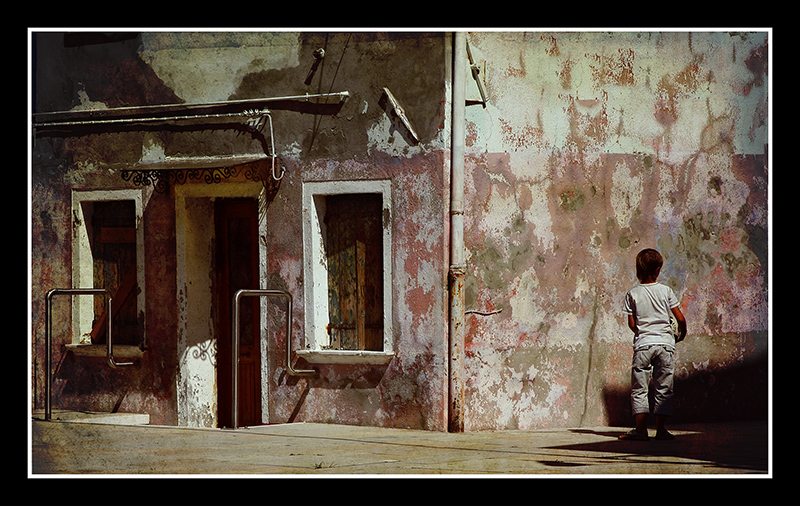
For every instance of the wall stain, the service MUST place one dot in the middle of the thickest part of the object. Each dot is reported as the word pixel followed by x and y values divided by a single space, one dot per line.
pixel 572 200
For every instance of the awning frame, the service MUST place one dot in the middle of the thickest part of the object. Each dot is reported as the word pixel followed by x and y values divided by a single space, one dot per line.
pixel 178 170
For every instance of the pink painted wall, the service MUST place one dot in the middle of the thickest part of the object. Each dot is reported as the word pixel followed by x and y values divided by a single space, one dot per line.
pixel 592 147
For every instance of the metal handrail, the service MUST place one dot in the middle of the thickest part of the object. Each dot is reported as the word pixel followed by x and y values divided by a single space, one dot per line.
pixel 49 338
pixel 235 342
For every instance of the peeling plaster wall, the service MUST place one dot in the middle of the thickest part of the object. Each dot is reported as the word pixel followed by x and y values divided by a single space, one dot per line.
pixel 365 142
pixel 411 391
pixel 592 147
pixel 175 382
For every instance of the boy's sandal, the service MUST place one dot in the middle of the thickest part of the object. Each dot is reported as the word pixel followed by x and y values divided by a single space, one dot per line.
pixel 634 435
pixel 664 437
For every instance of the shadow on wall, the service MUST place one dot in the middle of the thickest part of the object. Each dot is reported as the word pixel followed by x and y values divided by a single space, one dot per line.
pixel 712 395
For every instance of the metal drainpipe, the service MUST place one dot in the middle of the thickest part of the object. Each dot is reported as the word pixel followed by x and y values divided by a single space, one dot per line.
pixel 457 264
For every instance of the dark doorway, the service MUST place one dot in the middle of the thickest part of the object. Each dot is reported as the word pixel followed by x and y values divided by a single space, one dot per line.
pixel 236 223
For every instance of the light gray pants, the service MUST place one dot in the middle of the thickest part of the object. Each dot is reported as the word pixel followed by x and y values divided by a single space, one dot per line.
pixel 654 362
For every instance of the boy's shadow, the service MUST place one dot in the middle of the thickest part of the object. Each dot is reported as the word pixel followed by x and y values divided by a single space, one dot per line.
pixel 735 446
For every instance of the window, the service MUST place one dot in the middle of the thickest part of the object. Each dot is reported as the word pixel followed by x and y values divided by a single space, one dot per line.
pixel 354 252
pixel 107 253
pixel 348 272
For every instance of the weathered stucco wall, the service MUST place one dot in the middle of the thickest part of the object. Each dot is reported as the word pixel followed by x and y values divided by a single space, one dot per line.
pixel 175 381
pixel 364 142
pixel 592 147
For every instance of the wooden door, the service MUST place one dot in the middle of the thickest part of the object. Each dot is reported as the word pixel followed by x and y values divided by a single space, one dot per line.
pixel 236 223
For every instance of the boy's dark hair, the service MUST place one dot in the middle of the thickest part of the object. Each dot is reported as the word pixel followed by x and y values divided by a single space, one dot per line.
pixel 648 262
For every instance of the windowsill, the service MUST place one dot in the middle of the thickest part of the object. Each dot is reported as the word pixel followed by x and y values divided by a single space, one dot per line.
pixel 346 357
pixel 101 350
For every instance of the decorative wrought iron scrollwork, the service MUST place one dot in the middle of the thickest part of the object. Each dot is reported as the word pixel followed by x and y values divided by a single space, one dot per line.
pixel 162 179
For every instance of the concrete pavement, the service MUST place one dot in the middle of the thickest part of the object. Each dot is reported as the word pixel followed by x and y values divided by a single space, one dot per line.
pixel 70 446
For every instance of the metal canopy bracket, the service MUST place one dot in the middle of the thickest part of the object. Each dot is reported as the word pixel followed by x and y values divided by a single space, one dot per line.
pixel 178 170
pixel 172 112
pixel 163 173
pixel 476 75
pixel 401 114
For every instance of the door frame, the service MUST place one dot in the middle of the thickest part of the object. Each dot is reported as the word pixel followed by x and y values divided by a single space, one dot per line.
pixel 196 381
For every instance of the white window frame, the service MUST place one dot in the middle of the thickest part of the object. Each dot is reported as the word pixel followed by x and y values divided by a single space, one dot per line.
pixel 82 267
pixel 316 273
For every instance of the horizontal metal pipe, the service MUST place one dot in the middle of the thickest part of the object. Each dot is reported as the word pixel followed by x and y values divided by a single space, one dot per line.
pixel 152 119
pixel 165 112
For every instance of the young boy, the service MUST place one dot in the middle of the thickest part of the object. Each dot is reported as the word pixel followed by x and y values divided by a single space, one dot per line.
pixel 648 307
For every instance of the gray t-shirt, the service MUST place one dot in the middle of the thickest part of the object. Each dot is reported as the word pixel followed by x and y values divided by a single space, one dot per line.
pixel 651 304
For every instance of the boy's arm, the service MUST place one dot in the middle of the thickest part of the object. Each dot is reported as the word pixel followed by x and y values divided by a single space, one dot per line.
pixel 676 311
pixel 632 323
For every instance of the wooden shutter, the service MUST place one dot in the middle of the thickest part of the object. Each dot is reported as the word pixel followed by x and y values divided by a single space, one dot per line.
pixel 354 248
pixel 114 252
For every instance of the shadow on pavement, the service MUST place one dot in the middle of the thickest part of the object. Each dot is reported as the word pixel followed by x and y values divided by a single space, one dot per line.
pixel 739 446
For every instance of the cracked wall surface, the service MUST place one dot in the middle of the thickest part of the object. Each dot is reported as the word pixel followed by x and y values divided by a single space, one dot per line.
pixel 592 147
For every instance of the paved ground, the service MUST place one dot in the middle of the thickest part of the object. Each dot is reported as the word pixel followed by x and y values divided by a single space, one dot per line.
pixel 79 448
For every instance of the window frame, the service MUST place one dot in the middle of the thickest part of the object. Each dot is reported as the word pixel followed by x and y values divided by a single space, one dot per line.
pixel 316 273
pixel 82 258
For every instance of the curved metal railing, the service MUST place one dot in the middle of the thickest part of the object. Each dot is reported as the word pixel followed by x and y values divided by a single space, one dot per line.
pixel 235 342
pixel 49 338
